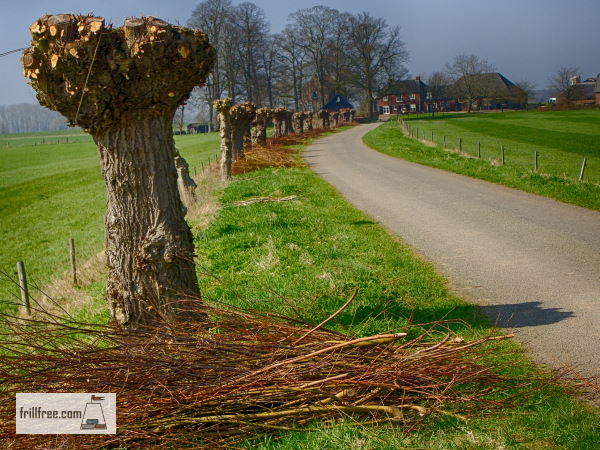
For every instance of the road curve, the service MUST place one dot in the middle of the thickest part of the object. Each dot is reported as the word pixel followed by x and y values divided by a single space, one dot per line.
pixel 533 263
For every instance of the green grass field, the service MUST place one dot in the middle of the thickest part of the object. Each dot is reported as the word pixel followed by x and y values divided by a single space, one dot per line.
pixel 50 193
pixel 561 138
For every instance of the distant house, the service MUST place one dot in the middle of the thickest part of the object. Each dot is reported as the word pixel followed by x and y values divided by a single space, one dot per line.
pixel 487 91
pixel 580 92
pixel 597 90
pixel 403 97
pixel 337 102
pixel 490 91
pixel 194 128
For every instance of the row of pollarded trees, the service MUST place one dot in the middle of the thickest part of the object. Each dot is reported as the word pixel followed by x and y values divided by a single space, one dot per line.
pixel 244 125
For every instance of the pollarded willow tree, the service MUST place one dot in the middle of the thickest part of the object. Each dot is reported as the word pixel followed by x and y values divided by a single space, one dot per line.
pixel 223 109
pixel 335 118
pixel 308 121
pixel 298 121
pixel 123 86
pixel 323 116
pixel 278 116
pixel 259 133
pixel 241 117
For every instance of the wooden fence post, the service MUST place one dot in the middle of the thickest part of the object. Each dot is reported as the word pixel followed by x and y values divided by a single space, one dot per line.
pixel 479 149
pixel 583 164
pixel 23 287
pixel 502 154
pixel 432 136
pixel 535 161
pixel 444 141
pixel 72 254
pixel 460 144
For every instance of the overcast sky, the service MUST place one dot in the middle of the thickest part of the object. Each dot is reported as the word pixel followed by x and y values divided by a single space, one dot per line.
pixel 524 39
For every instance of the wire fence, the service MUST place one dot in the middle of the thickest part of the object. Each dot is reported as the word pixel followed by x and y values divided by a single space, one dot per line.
pixel 568 166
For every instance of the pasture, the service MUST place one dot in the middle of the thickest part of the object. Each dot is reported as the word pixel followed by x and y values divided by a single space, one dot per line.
pixel 51 192
pixel 561 138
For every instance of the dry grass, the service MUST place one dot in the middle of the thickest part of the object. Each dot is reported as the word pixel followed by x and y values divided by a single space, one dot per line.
pixel 61 295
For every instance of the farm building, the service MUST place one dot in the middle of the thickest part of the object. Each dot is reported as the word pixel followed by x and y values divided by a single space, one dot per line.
pixel 580 92
pixel 492 91
pixel 194 128
pixel 404 96
pixel 597 90
pixel 337 102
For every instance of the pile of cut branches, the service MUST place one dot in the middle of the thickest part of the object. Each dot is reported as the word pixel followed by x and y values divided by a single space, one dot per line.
pixel 238 374
pixel 277 153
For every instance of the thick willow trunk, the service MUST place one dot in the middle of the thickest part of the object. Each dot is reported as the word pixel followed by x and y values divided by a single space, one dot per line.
pixel 149 245
pixel 123 85
pixel 298 119
pixel 308 121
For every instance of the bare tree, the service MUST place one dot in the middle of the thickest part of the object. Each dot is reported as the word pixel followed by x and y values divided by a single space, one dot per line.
pixel 466 71
pixel 374 49
pixel 438 84
pixel 525 92
pixel 269 60
pixel 293 62
pixel 253 29
pixel 315 30
pixel 211 16
pixel 338 63
pixel 138 75
pixel 561 82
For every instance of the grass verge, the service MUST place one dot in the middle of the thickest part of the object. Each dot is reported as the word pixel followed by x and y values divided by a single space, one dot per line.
pixel 390 139
pixel 305 257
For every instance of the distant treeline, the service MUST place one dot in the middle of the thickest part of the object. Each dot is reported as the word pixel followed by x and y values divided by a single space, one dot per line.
pixel 29 117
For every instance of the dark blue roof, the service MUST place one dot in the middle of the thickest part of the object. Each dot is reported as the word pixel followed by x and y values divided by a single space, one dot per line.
pixel 338 102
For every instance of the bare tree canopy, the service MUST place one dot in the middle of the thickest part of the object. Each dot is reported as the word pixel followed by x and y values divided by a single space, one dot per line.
pixel 315 32
pixel 374 51
pixel 464 70
pixel 561 82
pixel 320 52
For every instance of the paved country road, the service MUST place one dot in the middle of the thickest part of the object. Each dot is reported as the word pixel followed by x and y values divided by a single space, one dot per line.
pixel 533 263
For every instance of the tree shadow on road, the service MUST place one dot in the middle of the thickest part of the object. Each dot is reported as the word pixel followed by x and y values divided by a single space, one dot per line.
pixel 527 314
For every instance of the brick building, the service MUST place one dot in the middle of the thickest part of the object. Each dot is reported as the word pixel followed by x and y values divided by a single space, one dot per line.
pixel 404 96
pixel 494 91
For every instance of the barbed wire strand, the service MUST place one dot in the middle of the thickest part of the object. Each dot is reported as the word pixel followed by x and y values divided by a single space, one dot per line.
pixel 12 51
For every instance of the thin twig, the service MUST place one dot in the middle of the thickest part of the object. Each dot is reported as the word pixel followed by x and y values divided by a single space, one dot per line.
pixel 329 318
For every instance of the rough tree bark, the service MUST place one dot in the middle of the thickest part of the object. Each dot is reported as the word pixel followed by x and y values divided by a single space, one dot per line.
pixel 308 121
pixel 288 127
pixel 259 134
pixel 185 183
pixel 335 118
pixel 223 109
pixel 345 113
pixel 123 86
pixel 278 117
pixel 352 114
pixel 241 117
pixel 298 119
pixel 323 119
